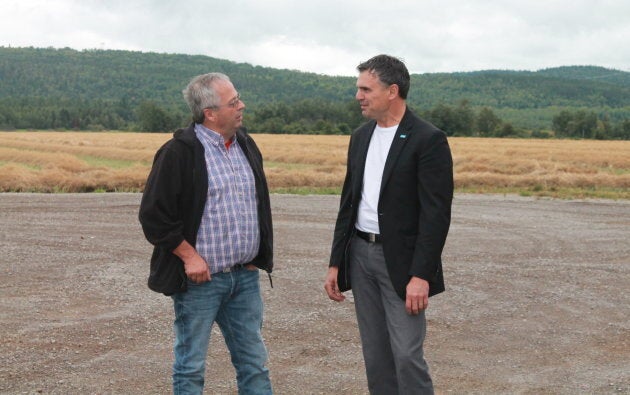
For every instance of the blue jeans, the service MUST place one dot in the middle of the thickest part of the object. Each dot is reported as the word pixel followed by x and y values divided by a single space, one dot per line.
pixel 233 300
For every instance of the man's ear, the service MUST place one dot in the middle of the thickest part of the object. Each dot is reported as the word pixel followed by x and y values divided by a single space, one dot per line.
pixel 208 114
pixel 393 91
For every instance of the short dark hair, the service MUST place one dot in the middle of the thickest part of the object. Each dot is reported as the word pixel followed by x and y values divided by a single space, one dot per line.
pixel 389 70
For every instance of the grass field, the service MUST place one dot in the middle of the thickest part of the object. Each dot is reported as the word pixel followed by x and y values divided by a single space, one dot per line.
pixel 117 161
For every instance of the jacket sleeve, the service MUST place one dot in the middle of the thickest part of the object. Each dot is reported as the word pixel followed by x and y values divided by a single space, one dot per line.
pixel 435 193
pixel 344 216
pixel 160 209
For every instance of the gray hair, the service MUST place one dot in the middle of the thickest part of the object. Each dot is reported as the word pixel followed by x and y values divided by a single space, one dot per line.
pixel 200 94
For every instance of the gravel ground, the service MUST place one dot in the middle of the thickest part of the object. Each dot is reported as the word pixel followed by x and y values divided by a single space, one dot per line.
pixel 537 301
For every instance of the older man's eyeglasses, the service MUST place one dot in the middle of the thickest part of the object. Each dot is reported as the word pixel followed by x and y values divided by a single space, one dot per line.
pixel 232 103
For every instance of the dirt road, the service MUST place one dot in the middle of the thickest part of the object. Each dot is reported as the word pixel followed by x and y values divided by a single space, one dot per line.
pixel 537 301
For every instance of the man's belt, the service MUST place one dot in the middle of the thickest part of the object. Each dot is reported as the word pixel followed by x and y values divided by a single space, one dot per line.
pixel 369 237
pixel 235 268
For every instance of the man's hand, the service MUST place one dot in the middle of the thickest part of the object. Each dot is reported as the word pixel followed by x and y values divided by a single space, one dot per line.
pixel 417 295
pixel 195 266
pixel 331 287
pixel 196 269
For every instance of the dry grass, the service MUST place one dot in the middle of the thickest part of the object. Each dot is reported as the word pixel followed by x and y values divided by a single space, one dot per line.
pixel 113 161
pixel 564 168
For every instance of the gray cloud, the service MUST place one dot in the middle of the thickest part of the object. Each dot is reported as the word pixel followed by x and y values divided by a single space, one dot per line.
pixel 331 37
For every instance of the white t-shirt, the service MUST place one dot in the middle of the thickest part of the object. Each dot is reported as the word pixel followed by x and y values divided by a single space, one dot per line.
pixel 367 218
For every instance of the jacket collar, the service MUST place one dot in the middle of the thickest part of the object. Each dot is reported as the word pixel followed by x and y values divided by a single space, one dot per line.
pixel 188 136
pixel 400 139
pixel 405 128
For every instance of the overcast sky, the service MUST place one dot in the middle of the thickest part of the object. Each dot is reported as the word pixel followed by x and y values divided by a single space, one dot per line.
pixel 333 36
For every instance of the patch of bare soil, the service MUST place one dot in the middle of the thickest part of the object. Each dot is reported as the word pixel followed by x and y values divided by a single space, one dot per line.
pixel 537 300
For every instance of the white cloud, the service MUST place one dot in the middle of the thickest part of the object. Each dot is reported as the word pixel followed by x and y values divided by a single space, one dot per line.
pixel 332 37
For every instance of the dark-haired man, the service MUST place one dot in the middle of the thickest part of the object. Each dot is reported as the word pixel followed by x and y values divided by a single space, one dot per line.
pixel 391 228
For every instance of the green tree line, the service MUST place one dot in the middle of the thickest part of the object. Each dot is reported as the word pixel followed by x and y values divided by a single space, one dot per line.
pixel 46 88
pixel 309 116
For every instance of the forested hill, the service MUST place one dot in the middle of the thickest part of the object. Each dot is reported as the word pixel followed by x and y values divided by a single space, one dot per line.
pixel 576 86
pixel 122 81
pixel 136 76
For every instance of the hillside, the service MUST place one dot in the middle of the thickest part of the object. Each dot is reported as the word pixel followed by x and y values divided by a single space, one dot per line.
pixel 529 90
pixel 32 78
pixel 112 75
pixel 589 73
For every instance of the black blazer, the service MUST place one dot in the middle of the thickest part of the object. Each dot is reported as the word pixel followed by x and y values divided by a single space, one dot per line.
pixel 414 208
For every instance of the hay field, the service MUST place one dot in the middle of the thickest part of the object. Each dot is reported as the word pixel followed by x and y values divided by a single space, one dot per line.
pixel 118 161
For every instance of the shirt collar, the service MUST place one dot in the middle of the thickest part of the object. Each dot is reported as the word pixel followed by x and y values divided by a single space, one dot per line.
pixel 210 135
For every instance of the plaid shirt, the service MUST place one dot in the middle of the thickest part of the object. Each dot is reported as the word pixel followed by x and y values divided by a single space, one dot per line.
pixel 229 233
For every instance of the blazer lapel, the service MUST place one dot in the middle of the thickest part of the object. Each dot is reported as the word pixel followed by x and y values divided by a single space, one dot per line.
pixel 400 139
pixel 360 155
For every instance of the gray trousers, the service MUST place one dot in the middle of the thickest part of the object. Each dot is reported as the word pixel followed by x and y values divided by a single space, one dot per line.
pixel 392 339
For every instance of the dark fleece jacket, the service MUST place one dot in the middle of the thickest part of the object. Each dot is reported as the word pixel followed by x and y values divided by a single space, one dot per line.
pixel 173 203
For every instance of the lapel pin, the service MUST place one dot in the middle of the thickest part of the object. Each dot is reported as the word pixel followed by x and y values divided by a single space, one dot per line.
pixel 403 136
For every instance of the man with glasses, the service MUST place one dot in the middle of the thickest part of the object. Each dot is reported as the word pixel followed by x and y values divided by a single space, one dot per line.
pixel 206 210
pixel 392 224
